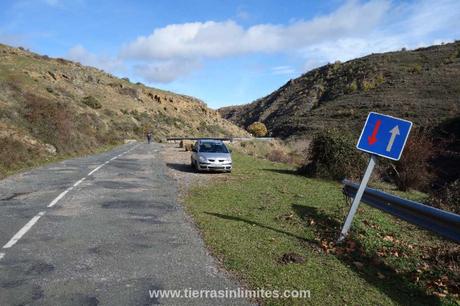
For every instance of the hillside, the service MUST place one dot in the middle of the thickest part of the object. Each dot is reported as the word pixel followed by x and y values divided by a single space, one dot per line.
pixel 421 85
pixel 54 107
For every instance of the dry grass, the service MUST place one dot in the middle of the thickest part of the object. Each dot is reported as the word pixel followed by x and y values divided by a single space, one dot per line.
pixel 276 150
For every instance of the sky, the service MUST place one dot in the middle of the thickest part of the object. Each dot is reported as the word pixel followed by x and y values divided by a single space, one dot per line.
pixel 223 52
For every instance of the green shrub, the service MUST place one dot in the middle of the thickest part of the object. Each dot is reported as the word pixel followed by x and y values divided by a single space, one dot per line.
pixel 416 68
pixel 258 129
pixel 336 66
pixel 92 102
pixel 333 155
pixel 367 85
pixel 352 87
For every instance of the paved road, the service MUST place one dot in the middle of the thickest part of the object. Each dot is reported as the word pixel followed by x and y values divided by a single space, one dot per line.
pixel 107 239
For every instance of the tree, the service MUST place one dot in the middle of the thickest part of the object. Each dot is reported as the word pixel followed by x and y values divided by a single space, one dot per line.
pixel 258 129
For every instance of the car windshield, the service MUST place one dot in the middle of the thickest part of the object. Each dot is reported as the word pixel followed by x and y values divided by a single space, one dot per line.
pixel 213 147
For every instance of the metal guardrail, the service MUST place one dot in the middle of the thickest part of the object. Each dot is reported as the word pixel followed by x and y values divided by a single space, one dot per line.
pixel 199 138
pixel 253 138
pixel 436 220
pixel 221 138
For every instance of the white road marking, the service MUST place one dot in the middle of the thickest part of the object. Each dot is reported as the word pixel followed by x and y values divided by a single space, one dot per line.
pixel 95 169
pixel 23 230
pixel 79 182
pixel 59 197
pixel 34 220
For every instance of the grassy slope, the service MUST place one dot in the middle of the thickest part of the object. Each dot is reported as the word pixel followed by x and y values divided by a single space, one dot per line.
pixel 263 210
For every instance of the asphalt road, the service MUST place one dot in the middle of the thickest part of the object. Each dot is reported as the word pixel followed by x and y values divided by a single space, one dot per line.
pixel 104 240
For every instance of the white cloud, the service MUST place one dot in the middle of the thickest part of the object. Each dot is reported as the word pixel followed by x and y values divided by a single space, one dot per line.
pixel 281 70
pixel 165 71
pixel 79 54
pixel 406 26
pixel 220 39
pixel 354 29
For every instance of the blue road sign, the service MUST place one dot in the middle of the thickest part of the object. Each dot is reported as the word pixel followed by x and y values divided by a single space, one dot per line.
pixel 384 135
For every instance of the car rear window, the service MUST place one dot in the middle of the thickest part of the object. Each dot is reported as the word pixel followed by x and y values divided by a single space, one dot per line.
pixel 212 147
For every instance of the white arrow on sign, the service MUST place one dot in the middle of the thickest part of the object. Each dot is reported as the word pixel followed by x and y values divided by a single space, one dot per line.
pixel 394 132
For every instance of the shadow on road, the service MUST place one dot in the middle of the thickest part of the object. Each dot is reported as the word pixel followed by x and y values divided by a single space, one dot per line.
pixel 181 167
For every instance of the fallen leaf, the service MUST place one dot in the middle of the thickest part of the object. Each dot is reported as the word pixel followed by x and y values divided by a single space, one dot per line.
pixel 439 294
pixel 388 238
pixel 339 251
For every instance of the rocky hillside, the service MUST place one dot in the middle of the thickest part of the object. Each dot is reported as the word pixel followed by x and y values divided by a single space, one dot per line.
pixel 52 107
pixel 421 85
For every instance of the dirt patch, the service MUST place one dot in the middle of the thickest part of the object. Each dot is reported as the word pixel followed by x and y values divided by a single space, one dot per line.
pixel 179 167
pixel 291 258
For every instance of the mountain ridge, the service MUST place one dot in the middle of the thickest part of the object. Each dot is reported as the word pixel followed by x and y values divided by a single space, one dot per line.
pixel 421 85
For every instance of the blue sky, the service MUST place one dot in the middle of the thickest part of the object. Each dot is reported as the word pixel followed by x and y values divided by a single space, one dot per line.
pixel 223 52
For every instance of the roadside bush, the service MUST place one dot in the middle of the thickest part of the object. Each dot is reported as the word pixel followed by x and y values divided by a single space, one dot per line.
pixel 278 156
pixel 448 197
pixel 13 153
pixel 187 145
pixel 92 102
pixel 333 155
pixel 50 122
pixel 258 129
pixel 412 170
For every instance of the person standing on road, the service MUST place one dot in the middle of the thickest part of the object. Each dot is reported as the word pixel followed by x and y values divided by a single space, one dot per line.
pixel 149 137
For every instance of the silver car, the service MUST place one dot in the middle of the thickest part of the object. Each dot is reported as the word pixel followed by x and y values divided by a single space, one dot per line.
pixel 211 155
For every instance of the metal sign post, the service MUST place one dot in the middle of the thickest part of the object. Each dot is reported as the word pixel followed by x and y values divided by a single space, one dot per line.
pixel 384 136
pixel 357 199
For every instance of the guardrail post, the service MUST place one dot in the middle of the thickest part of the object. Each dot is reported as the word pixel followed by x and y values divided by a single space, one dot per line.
pixel 357 199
